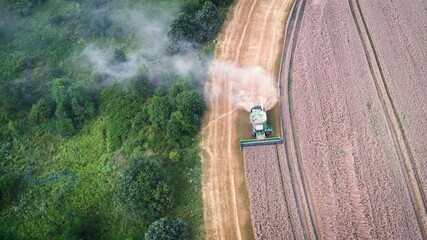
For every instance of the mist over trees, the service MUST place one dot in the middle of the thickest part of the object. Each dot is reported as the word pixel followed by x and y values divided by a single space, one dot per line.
pixel 101 106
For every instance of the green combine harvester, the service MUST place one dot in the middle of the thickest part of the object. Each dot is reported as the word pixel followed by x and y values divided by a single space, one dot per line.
pixel 260 130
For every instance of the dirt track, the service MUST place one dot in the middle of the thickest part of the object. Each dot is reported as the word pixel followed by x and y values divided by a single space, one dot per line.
pixel 251 37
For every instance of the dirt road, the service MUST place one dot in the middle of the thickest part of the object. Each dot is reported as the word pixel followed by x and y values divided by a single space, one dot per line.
pixel 251 37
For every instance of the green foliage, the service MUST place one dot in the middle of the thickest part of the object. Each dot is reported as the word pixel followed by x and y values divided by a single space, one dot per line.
pixel 119 55
pixel 79 227
pixel 61 98
pixel 67 132
pixel 10 186
pixel 222 3
pixel 100 25
pixel 144 189
pixel 176 126
pixel 138 86
pixel 82 106
pixel 74 106
pixel 159 110
pixel 194 28
pixel 64 126
pixel 168 229
pixel 179 86
pixel 40 111
pixel 184 30
pixel 174 156
pixel 192 105
pixel 119 107
pixel 210 22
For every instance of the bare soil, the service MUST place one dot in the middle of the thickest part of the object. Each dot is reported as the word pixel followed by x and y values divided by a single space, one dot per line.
pixel 251 38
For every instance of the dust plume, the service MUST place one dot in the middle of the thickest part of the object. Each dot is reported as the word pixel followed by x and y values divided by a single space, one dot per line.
pixel 246 87
pixel 149 39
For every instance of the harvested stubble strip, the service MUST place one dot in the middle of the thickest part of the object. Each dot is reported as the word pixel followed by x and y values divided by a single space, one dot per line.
pixel 270 216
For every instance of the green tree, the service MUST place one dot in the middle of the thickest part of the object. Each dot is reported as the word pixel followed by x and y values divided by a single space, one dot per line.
pixel 40 111
pixel 64 126
pixel 184 29
pixel 138 85
pixel 210 22
pixel 168 229
pixel 80 227
pixel 176 126
pixel 120 108
pixel 10 187
pixel 100 25
pixel 192 105
pixel 192 29
pixel 59 90
pixel 119 55
pixel 61 98
pixel 144 189
pixel 184 34
pixel 82 106
pixel 159 110
pixel 180 85
pixel 222 3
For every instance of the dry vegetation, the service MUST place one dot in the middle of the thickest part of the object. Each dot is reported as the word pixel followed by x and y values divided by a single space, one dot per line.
pixel 271 215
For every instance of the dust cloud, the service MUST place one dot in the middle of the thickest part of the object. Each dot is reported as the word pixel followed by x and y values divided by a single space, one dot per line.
pixel 148 50
pixel 247 87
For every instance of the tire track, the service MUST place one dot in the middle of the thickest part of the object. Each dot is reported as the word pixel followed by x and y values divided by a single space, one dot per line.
pixel 406 162
pixel 285 196
pixel 291 37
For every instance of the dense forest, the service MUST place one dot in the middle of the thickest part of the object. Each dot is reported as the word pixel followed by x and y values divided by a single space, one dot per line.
pixel 101 104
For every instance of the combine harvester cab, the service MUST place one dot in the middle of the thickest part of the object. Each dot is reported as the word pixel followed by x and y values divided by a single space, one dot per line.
pixel 260 129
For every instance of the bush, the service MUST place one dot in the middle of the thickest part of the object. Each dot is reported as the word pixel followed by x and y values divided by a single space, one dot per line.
pixel 192 105
pixel 82 105
pixel 159 110
pixel 40 111
pixel 191 30
pixel 80 227
pixel 10 187
pixel 167 229
pixel 210 22
pixel 119 55
pixel 100 25
pixel 144 189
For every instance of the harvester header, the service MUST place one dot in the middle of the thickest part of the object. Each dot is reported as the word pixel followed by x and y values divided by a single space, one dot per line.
pixel 260 130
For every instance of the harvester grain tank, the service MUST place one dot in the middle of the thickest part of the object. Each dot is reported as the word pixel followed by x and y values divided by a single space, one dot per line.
pixel 260 129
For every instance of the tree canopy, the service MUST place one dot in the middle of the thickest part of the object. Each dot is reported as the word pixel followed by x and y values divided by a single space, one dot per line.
pixel 167 229
pixel 144 189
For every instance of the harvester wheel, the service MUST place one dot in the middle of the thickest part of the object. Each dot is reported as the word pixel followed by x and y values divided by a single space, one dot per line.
pixel 268 133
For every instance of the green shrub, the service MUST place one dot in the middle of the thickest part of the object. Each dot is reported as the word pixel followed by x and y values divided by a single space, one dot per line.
pixel 144 189
pixel 168 229
pixel 40 111
pixel 192 106
pixel 10 187
pixel 159 110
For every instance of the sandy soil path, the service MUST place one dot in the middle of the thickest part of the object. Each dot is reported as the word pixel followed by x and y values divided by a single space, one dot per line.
pixel 251 37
